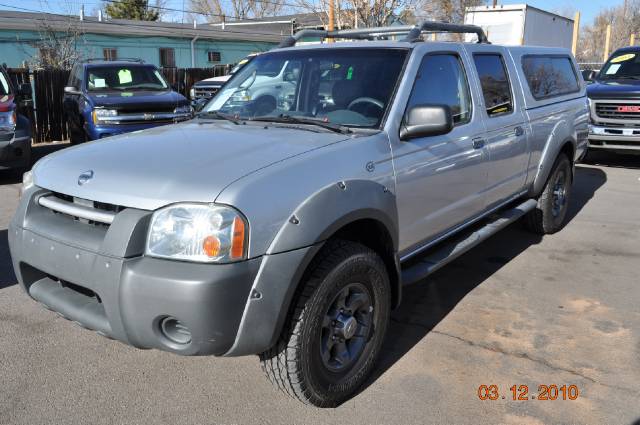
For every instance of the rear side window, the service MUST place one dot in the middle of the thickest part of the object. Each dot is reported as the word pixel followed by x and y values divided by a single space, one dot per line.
pixel 441 80
pixel 550 76
pixel 495 84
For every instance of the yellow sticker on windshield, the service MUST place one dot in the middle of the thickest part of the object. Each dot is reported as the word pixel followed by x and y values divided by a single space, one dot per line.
pixel 124 76
pixel 623 58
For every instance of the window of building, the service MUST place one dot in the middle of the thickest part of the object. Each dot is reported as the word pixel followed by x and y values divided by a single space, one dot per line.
pixel 495 84
pixel 550 76
pixel 110 54
pixel 441 80
pixel 214 57
pixel 167 57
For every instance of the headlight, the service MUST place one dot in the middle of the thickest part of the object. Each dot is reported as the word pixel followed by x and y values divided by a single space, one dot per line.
pixel 27 182
pixel 198 232
pixel 192 93
pixel 241 96
pixel 8 121
pixel 99 114
pixel 183 110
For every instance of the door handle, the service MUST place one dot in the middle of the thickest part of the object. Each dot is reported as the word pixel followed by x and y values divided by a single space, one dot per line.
pixel 519 131
pixel 478 143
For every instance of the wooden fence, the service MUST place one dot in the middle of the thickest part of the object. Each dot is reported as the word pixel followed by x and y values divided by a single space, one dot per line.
pixel 45 111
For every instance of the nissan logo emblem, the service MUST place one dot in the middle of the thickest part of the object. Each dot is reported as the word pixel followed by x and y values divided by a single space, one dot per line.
pixel 85 177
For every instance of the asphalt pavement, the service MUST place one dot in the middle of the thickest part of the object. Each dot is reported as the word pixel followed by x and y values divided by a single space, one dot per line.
pixel 517 310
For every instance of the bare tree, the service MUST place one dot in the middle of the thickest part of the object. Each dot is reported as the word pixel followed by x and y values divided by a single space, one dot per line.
pixel 446 11
pixel 219 10
pixel 357 13
pixel 624 20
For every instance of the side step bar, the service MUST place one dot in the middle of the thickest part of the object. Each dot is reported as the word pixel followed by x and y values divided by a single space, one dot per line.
pixel 452 249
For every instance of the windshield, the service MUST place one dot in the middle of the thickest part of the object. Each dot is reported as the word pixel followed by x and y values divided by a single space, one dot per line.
pixel 349 87
pixel 622 66
pixel 4 84
pixel 109 78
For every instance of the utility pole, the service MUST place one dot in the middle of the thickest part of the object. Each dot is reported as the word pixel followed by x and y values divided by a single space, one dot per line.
pixel 576 31
pixel 331 16
pixel 632 40
pixel 355 14
pixel 607 44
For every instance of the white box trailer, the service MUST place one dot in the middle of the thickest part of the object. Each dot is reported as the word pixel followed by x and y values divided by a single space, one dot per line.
pixel 521 24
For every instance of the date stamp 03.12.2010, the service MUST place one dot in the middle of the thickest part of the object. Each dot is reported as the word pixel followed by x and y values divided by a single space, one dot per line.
pixel 522 392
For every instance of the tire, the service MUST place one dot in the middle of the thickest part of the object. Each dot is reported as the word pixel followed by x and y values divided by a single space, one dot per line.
pixel 306 362
pixel 75 138
pixel 551 211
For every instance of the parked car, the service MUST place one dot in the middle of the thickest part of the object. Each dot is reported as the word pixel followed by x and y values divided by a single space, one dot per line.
pixel 105 98
pixel 614 103
pixel 290 233
pixel 204 90
pixel 15 128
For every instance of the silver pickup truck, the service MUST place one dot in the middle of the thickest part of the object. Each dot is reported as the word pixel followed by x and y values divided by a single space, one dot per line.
pixel 289 229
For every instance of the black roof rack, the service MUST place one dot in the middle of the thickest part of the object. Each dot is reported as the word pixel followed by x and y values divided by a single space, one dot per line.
pixel 90 60
pixel 413 32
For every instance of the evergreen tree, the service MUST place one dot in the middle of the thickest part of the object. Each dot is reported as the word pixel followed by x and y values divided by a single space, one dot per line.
pixel 138 10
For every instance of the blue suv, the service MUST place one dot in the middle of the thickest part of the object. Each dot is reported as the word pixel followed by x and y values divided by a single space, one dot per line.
pixel 104 98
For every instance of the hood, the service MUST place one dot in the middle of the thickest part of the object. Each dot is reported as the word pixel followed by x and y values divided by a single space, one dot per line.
pixel 220 80
pixel 189 162
pixel 614 89
pixel 158 100
pixel 7 103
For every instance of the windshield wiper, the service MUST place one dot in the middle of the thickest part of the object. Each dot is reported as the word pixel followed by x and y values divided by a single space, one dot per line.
pixel 288 119
pixel 218 115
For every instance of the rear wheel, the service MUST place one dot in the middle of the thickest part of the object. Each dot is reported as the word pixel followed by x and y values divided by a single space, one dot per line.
pixel 550 213
pixel 335 331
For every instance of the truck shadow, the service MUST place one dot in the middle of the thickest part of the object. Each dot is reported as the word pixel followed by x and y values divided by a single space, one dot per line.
pixel 427 303
pixel 7 277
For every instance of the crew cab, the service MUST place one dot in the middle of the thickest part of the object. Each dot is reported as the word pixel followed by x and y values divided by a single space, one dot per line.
pixel 105 98
pixel 289 229
pixel 15 128
pixel 614 103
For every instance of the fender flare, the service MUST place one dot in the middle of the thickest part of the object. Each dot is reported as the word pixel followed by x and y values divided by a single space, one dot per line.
pixel 295 246
pixel 334 206
pixel 547 161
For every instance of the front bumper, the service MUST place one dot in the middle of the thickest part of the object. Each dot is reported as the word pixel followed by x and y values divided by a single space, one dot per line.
pixel 614 138
pixel 98 277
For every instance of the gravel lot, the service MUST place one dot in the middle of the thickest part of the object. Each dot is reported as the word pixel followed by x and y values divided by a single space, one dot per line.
pixel 519 309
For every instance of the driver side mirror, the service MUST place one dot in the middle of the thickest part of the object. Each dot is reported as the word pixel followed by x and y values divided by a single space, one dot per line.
pixel 589 75
pixel 426 120
pixel 199 104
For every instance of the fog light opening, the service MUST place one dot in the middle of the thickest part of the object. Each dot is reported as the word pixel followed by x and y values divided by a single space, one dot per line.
pixel 175 331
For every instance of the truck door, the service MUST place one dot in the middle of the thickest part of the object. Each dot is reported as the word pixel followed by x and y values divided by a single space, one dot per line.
pixel 440 180
pixel 505 123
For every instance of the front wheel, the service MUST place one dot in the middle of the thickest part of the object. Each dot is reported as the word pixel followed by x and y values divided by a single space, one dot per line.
pixel 550 213
pixel 336 327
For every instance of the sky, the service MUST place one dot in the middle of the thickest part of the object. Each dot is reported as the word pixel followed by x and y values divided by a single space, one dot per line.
pixel 587 8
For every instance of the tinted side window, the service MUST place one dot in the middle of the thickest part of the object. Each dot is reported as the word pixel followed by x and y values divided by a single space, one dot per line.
pixel 495 84
pixel 550 76
pixel 441 80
